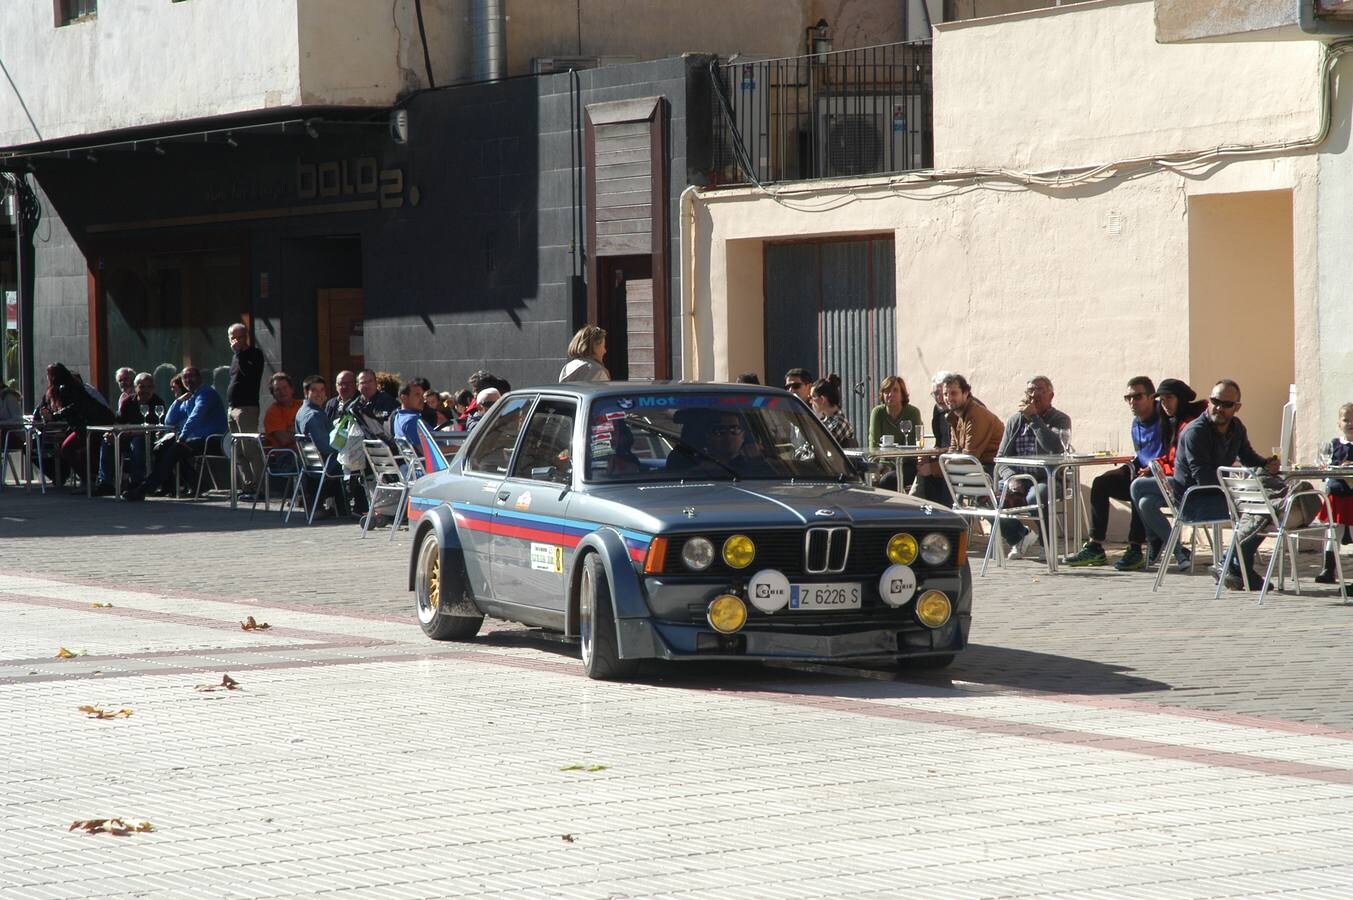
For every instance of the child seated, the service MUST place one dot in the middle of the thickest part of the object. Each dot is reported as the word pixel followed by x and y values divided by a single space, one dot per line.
pixel 1340 453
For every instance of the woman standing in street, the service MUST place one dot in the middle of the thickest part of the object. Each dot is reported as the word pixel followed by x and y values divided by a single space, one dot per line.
pixel 825 398
pixel 585 354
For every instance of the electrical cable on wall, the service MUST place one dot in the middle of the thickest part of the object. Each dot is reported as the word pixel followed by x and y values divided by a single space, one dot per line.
pixel 423 36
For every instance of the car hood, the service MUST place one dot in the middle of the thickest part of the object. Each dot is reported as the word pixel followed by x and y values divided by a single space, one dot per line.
pixel 752 504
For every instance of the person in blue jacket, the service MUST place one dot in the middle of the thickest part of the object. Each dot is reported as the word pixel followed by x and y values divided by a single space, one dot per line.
pixel 204 418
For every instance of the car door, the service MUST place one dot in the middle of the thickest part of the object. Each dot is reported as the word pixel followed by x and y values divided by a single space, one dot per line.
pixel 488 461
pixel 530 533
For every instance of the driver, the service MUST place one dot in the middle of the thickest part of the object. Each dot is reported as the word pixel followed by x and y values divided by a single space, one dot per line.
pixel 720 438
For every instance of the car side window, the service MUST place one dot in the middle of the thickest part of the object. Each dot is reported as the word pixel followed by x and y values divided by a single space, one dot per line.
pixel 492 452
pixel 547 449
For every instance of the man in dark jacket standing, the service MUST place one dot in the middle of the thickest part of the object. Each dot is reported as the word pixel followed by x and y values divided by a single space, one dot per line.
pixel 246 377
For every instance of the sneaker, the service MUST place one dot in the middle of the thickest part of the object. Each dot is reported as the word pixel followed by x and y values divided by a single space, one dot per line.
pixel 1183 561
pixel 1092 554
pixel 1131 561
pixel 1026 546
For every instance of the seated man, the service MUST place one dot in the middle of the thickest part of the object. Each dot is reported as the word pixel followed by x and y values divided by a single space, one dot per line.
pixel 138 408
pixel 717 442
pixel 1216 439
pixel 1148 443
pixel 404 423
pixel 1031 431
pixel 204 416
pixel 314 424
pixel 279 422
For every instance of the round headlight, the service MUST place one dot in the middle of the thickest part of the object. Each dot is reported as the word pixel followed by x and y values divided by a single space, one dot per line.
pixel 726 614
pixel 902 549
pixel 697 553
pixel 738 551
pixel 935 548
pixel 933 609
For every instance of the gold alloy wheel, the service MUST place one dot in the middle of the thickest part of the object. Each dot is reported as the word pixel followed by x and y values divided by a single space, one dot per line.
pixel 429 593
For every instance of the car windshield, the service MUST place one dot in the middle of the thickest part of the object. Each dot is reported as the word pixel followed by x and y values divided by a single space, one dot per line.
pixel 709 436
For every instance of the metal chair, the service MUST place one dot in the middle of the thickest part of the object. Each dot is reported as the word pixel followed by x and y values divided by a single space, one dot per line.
pixel 316 465
pixel 1213 535
pixel 219 441
pixel 1246 495
pixel 1180 523
pixel 278 462
pixel 6 454
pixel 388 477
pixel 971 486
pixel 412 458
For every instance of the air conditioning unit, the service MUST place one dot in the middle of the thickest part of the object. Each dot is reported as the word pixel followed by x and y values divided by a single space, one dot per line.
pixel 867 134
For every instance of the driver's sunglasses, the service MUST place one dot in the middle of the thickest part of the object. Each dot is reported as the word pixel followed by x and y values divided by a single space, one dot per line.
pixel 1134 396
pixel 726 429
pixel 793 385
pixel 1222 404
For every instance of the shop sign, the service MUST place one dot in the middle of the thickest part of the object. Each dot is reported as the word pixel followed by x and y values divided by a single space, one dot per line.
pixel 360 177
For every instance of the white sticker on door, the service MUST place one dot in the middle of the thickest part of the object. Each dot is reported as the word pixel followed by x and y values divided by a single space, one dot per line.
pixel 547 558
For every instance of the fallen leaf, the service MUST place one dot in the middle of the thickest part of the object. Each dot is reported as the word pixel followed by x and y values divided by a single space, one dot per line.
pixel 98 712
pixel 567 838
pixel 597 768
pixel 117 826
pixel 250 625
pixel 63 653
pixel 579 767
pixel 227 684
pixel 100 606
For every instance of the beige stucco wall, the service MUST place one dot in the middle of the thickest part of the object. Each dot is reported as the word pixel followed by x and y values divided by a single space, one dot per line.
pixel 1089 286
pixel 1004 98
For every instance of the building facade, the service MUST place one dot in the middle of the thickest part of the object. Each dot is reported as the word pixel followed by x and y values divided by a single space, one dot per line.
pixel 1102 204
pixel 427 188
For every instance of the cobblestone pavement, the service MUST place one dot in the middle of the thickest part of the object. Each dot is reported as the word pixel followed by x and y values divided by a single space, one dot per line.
pixel 1097 740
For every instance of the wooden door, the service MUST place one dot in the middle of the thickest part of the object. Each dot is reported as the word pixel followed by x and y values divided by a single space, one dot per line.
pixel 339 314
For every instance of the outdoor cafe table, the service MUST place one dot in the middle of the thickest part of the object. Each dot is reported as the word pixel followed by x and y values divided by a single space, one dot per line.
pixel 1317 472
pixel 893 454
pixel 1055 465
pixel 118 432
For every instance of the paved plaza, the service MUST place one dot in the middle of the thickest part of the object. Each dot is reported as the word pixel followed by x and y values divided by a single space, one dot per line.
pixel 1096 739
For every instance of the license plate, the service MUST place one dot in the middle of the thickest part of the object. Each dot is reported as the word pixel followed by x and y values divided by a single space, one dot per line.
pixel 840 595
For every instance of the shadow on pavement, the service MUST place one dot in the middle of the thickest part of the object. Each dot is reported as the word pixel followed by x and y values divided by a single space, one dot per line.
pixel 65 515
pixel 998 667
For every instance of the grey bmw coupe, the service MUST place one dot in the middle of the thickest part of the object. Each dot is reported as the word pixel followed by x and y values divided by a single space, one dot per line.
pixel 681 522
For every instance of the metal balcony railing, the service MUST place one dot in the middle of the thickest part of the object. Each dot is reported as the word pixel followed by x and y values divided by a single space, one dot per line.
pixel 829 115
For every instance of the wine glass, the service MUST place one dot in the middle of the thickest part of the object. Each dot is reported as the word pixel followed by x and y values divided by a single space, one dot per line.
pixel 907 429
pixel 159 412
pixel 1324 455
pixel 1065 435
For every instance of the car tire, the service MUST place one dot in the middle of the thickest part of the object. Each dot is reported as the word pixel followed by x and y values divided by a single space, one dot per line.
pixel 923 663
pixel 427 599
pixel 596 626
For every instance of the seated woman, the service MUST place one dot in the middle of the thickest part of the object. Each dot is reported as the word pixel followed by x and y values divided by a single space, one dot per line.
pixel 67 402
pixel 1340 452
pixel 895 416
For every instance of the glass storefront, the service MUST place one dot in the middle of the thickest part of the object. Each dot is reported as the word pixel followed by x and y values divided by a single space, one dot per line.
pixel 164 311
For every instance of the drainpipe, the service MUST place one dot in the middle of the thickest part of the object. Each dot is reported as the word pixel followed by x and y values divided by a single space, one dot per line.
pixel 488 25
pixel 691 336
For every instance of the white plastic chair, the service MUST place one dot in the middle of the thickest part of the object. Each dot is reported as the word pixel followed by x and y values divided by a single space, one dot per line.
pixel 388 477
pixel 971 487
pixel 315 464
pixel 1246 495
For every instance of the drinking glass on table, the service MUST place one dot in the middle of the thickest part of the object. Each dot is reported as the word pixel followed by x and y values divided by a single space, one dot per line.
pixel 159 413
pixel 1064 434
pixel 907 429
pixel 145 412
pixel 1324 456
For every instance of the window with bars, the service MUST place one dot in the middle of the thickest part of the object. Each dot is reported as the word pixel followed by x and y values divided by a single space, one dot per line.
pixel 68 11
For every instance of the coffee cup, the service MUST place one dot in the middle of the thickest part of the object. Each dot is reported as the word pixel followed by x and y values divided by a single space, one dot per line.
pixel 885 440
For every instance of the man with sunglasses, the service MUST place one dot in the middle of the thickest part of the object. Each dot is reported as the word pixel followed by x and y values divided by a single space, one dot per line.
pixel 1148 442
pixel 799 382
pixel 1216 439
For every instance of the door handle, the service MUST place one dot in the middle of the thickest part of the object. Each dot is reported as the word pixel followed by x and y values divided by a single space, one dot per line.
pixel 503 495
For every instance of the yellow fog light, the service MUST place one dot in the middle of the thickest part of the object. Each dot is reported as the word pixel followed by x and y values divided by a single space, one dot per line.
pixel 727 613
pixel 739 551
pixel 902 549
pixel 933 609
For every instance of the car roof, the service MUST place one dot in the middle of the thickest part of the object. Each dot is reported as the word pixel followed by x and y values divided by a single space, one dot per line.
pixel 585 389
